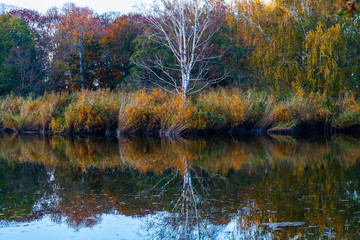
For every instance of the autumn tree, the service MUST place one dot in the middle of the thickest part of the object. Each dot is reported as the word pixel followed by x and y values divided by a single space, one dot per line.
pixel 77 43
pixel 119 44
pixel 279 34
pixel 178 35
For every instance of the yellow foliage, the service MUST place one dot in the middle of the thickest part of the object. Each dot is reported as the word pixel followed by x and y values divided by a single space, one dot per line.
pixel 324 48
pixel 291 47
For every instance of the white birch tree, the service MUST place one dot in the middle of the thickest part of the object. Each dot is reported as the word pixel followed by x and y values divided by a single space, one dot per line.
pixel 184 28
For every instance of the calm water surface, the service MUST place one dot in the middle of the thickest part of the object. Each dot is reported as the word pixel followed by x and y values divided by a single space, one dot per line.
pixel 152 188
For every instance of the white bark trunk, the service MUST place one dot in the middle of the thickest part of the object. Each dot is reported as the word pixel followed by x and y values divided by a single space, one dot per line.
pixel 185 28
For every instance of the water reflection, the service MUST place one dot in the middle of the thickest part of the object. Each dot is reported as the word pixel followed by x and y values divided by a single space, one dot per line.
pixel 185 220
pixel 278 187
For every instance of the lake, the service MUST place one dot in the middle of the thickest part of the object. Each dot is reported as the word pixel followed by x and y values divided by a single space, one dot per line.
pixel 273 187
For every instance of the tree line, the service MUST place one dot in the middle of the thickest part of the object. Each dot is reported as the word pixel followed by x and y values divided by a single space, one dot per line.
pixel 183 46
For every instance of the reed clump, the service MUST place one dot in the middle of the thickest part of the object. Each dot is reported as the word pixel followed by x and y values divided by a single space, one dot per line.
pixel 257 106
pixel 10 108
pixel 155 110
pixel 62 112
pixel 142 111
pixel 32 114
pixel 347 112
pixel 158 111
pixel 219 109
pixel 93 111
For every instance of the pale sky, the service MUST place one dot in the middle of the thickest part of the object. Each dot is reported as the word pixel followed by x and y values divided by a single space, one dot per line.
pixel 100 6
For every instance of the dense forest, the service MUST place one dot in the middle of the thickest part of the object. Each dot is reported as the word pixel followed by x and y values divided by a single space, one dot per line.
pixel 275 64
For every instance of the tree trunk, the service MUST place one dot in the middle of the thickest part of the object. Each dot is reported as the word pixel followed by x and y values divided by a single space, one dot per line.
pixel 81 66
pixel 184 86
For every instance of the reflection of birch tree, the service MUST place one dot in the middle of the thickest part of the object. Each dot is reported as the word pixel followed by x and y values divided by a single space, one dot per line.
pixel 185 220
pixel 187 204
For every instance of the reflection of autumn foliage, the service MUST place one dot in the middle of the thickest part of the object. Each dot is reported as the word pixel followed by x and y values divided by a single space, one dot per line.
pixel 60 152
pixel 80 210
pixel 159 154
pixel 317 196
pixel 255 181
pixel 155 155
pixel 80 204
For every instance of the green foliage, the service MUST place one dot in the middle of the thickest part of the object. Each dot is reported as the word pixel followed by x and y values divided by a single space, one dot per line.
pixel 343 12
pixel 148 50
pixel 349 8
pixel 14 34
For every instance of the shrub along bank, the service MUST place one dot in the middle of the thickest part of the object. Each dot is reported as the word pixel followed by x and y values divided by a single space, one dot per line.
pixel 156 111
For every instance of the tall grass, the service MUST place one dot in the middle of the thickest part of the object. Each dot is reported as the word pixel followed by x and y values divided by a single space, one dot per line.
pixel 27 113
pixel 62 112
pixel 161 112
pixel 219 109
pixel 93 111
pixel 155 110
pixel 347 112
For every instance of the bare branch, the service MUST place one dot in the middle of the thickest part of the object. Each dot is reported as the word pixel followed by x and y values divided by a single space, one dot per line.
pixel 185 29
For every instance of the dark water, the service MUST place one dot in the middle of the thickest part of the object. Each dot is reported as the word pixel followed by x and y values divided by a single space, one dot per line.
pixel 151 188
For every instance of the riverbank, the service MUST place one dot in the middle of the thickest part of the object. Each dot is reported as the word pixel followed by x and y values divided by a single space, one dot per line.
pixel 221 111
